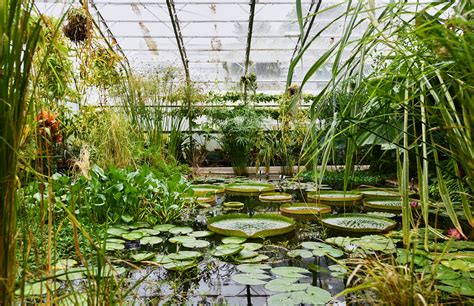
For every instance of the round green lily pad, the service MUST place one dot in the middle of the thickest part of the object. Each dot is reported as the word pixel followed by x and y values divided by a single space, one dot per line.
pixel 180 266
pixel 252 246
pixel 206 189
pixel 185 255
pixel 71 274
pixel 253 268
pixel 256 259
pixel 335 198
pixel 180 230
pixel 116 231
pixel 249 188
pixel 206 200
pixel 234 240
pixel 300 253
pixel 380 193
pixel 285 285
pixel 113 246
pixel 201 234
pixel 305 209
pixel 257 226
pixel 234 204
pixel 133 235
pixel 142 256
pixel 382 214
pixel 196 244
pixel 150 240
pixel 39 288
pixel 276 197
pixel 383 204
pixel 251 279
pixel 162 259
pixel 359 223
pixel 163 227
pixel 290 272
pixel 226 250
pixel 150 231
pixel 181 239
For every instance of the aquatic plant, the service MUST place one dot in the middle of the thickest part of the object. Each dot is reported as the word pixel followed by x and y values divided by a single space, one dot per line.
pixel 358 223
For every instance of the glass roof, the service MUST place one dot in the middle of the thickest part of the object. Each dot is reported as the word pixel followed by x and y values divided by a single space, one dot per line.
pixel 215 38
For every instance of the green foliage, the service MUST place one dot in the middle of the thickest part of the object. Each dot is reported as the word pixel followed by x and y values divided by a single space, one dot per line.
pixel 143 194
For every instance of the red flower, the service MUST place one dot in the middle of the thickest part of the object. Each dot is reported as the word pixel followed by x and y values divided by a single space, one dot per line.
pixel 48 126
pixel 454 233
pixel 413 204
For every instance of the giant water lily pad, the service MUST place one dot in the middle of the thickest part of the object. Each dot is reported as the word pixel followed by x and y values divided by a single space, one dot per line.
pixel 249 188
pixel 384 204
pixel 335 198
pixel 305 209
pixel 234 204
pixel 386 193
pixel 359 223
pixel 276 197
pixel 205 200
pixel 206 189
pixel 257 226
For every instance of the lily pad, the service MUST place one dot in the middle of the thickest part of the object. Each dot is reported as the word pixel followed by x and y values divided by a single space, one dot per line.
pixel 113 246
pixel 38 289
pixel 150 240
pixel 322 249
pixel 142 256
pixel 180 266
pixel 249 187
pixel 285 285
pixel 180 230
pixel 305 209
pixel 226 250
pixel 234 204
pixel 365 244
pixel 116 231
pixel 181 239
pixel 63 264
pixel 163 227
pixel 335 198
pixel 316 296
pixel 196 244
pixel 246 254
pixel 206 200
pixel 276 197
pixel 233 240
pixel 257 226
pixel 201 234
pixel 71 274
pixel 206 189
pixel 133 235
pixel 185 255
pixel 359 223
pixel 252 246
pixel 290 272
pixel 251 279
pixel 383 214
pixel 379 193
pixel 162 259
pixel 384 204
pixel 150 231
pixel 253 268
pixel 300 253
pixel 107 271
pixel 256 259
pixel 126 218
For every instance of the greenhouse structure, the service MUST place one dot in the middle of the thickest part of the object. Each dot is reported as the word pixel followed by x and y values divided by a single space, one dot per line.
pixel 258 152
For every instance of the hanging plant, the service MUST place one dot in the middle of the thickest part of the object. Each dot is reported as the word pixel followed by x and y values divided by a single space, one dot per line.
pixel 78 25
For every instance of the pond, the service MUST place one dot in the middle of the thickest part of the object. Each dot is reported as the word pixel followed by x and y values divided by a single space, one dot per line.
pixel 188 263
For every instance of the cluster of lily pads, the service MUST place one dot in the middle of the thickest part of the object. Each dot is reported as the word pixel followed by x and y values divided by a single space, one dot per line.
pixel 285 281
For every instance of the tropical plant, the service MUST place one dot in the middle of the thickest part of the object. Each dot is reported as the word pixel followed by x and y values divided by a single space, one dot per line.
pixel 419 94
pixel 19 38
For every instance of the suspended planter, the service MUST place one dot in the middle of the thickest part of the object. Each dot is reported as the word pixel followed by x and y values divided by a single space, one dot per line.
pixel 275 197
pixel 249 188
pixel 335 198
pixel 257 226
pixel 304 209
pixel 359 223
pixel 207 189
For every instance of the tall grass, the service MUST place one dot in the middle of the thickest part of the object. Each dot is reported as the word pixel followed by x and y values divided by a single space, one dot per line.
pixel 419 93
pixel 18 39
